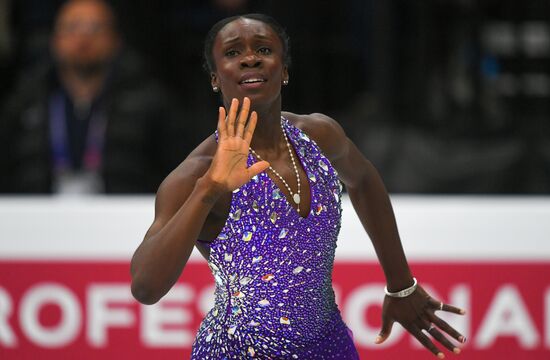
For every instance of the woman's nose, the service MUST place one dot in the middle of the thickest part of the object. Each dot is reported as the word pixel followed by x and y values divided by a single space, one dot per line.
pixel 250 60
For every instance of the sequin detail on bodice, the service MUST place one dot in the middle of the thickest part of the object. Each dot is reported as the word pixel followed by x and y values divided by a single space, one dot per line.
pixel 273 270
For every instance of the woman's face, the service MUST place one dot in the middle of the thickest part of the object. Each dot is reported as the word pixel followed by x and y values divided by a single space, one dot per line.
pixel 248 58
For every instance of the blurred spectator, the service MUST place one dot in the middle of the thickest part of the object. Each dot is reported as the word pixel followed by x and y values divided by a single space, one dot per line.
pixel 443 96
pixel 89 120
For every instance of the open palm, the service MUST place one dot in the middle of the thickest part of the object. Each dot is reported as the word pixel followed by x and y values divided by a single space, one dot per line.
pixel 229 166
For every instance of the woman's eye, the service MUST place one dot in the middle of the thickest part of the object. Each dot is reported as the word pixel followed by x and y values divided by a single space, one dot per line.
pixel 264 51
pixel 231 53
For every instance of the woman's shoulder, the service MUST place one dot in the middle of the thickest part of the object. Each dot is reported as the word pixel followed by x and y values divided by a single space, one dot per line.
pixel 323 129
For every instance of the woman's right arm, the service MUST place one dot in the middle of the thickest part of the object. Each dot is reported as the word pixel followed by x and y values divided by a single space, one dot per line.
pixel 184 201
pixel 181 209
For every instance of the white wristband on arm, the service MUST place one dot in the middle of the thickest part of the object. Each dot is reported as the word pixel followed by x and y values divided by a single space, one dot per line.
pixel 403 293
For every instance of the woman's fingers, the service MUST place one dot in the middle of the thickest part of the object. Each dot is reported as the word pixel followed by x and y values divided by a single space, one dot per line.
pixel 423 339
pixel 439 305
pixel 257 168
pixel 250 127
pixel 453 309
pixel 431 329
pixel 443 325
pixel 243 116
pixel 236 125
pixel 387 325
pixel 436 334
pixel 222 131
pixel 231 117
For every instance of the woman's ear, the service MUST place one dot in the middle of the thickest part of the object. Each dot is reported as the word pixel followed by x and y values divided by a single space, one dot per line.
pixel 285 75
pixel 214 82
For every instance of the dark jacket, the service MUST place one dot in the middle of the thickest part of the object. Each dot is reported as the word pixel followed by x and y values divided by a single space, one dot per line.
pixel 145 136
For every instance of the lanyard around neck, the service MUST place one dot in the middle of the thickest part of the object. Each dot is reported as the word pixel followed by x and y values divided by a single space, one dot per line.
pixel 59 138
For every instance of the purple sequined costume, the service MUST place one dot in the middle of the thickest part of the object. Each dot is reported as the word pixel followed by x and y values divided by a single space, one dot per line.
pixel 273 271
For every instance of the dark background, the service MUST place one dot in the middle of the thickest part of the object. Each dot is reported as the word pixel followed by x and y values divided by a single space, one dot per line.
pixel 443 96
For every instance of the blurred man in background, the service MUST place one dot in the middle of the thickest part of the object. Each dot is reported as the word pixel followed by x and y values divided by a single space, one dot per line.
pixel 90 121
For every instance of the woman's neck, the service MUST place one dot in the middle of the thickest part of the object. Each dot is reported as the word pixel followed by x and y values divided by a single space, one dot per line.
pixel 268 135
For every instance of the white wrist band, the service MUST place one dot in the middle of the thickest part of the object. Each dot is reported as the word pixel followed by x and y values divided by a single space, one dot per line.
pixel 403 293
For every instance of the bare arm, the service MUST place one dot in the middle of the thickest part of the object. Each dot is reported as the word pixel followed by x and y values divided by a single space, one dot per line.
pixel 181 208
pixel 373 207
pixel 371 202
pixel 184 201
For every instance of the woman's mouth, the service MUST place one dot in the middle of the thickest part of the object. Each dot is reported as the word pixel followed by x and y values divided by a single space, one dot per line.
pixel 252 83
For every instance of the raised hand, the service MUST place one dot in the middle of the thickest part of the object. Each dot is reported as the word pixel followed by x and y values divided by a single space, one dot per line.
pixel 229 168
pixel 416 313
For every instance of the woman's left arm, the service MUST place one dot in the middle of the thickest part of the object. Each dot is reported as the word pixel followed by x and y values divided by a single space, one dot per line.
pixel 415 312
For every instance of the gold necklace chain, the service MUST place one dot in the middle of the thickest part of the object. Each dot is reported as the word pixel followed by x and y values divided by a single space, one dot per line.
pixel 295 196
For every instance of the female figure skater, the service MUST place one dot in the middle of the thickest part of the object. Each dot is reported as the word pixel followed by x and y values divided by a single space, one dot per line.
pixel 260 199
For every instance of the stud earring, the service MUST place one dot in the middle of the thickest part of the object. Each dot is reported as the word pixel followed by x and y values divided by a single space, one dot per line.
pixel 215 89
pixel 285 82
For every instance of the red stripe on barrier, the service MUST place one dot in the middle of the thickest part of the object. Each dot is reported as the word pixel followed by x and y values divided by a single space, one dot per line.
pixel 84 310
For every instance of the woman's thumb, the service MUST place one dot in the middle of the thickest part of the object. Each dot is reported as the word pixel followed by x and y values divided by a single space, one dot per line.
pixel 385 332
